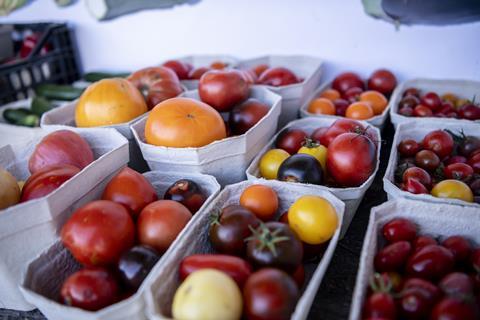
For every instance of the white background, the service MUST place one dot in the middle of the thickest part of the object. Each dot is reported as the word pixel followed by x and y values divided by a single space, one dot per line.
pixel 336 30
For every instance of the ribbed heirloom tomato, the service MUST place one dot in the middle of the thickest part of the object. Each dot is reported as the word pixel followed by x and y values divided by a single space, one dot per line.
pixel 184 122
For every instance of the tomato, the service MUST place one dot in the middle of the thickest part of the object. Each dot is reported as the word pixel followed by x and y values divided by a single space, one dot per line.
pixel 380 305
pixel 406 111
pixel 419 174
pixel 188 193
pixel 229 230
pixel 271 161
pixel 207 294
pixel 392 257
pixel 457 284
pixel 299 276
pixel 157 84
pixel 440 142
pixel 130 189
pixel 261 200
pixel 409 102
pixel 352 95
pixel 459 246
pixel 351 159
pixel 273 244
pixel 183 122
pixel 313 219
pixel 181 68
pixel 422 111
pixel 423 241
pixel 399 229
pixel 338 127
pixel 455 159
pixel 468 145
pixel 453 309
pixel 321 106
pixel 46 180
pixel 290 140
pixel 260 68
pixel 432 101
pixel 452 189
pixel 223 89
pixel 237 268
pixel 278 77
pixel 90 289
pixel 383 81
pixel 197 73
pixel 316 150
pixel 415 303
pixel 474 162
pixel 427 160
pixel 411 92
pixel 318 133
pixel 135 265
pixel 341 106
pixel 347 80
pixel 469 112
pixel 302 168
pixel 270 294
pixel 431 262
pixel 377 101
pixel 9 191
pixel 475 259
pixel 246 115
pixel 414 186
pixel 330 94
pixel 98 233
pixel 432 291
pixel 61 147
pixel 160 223
pixel 458 171
pixel 359 110
pixel 108 102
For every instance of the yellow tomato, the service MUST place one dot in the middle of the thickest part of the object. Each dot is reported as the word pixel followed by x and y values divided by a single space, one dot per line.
pixel 313 219
pixel 271 161
pixel 453 189
pixel 109 101
pixel 9 190
pixel 316 150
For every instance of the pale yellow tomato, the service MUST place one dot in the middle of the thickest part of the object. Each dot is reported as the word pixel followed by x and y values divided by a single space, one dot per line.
pixel 316 150
pixel 453 189
pixel 271 161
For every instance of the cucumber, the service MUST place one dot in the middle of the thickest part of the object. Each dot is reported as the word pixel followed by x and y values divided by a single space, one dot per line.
pixel 21 116
pixel 40 105
pixel 58 92
pixel 31 120
pixel 97 76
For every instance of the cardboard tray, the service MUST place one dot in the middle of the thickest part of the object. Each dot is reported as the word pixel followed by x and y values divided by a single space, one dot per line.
pixel 195 240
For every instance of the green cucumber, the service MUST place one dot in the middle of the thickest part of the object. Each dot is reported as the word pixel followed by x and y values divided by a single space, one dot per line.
pixel 40 105
pixel 97 76
pixel 21 116
pixel 58 92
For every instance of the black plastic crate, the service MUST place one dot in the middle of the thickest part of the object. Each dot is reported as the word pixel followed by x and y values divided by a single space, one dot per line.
pixel 60 64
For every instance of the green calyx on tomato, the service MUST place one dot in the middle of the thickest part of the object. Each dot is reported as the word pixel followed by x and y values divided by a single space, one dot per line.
pixel 266 238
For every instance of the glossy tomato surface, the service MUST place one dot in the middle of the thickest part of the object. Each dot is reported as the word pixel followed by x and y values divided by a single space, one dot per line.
pixel 181 68
pixel 188 193
pixel 278 77
pixel 246 115
pixel 347 80
pixel 260 199
pixel 135 265
pixel 290 140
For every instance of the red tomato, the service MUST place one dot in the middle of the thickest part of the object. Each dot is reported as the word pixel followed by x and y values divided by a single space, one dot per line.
pixel 347 80
pixel 431 100
pixel 318 133
pixel 440 142
pixel 270 294
pixel 90 289
pixel 341 106
pixel 409 148
pixel 454 309
pixel 223 89
pixel 98 233
pixel 399 229
pixel 427 160
pixel 277 77
pixel 418 173
pixel 470 112
pixel 414 186
pixel 160 222
pixel 383 81
pixel 290 140
pixel 458 171
pixel 431 262
pixel 188 193
pixel 246 115
pixel 235 267
pixel 259 69
pixel 380 305
pixel 61 147
pixel 196 74
pixel 338 127
pixel 130 189
pixel 46 180
pixel 474 162
pixel 459 246
pixel 299 275
pixel 392 257
pixel 351 159
pixel 422 111
pixel 181 68
pixel 352 95
pixel 423 241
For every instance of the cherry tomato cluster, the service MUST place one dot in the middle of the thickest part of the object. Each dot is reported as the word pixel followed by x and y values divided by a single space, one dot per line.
pixel 349 97
pixel 119 238
pixel 444 164
pixel 342 155
pixel 430 104
pixel 422 277
pixel 186 71
pixel 262 255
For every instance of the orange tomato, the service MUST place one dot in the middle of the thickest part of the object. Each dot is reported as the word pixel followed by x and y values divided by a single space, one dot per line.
pixel 258 69
pixel 109 101
pixel 377 100
pixel 330 94
pixel 183 122
pixel 218 65
pixel 321 106
pixel 359 110
pixel 261 200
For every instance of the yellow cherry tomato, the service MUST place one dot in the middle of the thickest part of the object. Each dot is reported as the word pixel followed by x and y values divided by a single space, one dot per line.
pixel 313 219
pixel 271 161
pixel 453 189
pixel 316 150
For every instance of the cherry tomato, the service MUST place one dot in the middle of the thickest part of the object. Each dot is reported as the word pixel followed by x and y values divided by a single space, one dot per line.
pixel 237 268
pixel 196 74
pixel 302 168
pixel 230 229
pixel 338 127
pixel 299 276
pixel 330 94
pixel 406 111
pixel 432 291
pixel 399 229
pixel 408 148
pixel 432 101
pixel 452 189
pixel 457 284
pixel 271 161
pixel 459 246
pixel 347 80
pixel 186 192
pixel 474 162
pixel 423 241
pixel 261 200
pixel 135 265
pixel 440 142
pixel 270 294
pixel 352 95
pixel 290 140
pixel 341 106
pixel 468 145
pixel 130 189
pixel 90 289
pixel 383 81
pixel 181 68
pixel 246 115
pixel 160 222
pixel 273 244
pixel 419 174
pixel 98 233
pixel 316 150
pixel 427 160
pixel 380 305
pixel 351 159
pixel 313 219
pixel 455 159
pixel 431 262
pixel 318 133
pixel 409 102
pixel 453 309
pixel 422 111
pixel 278 77
pixel 223 89
pixel 415 304
pixel 392 257
pixel 260 68
pixel 360 111
pixel 414 186
pixel 469 112
pixel 411 92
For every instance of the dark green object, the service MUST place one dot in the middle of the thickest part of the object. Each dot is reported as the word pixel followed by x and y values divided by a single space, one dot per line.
pixel 97 76
pixel 58 92
pixel 40 105
pixel 21 116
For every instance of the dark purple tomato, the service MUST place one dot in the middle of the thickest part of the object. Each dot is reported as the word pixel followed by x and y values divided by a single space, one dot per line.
pixel 474 162
pixel 457 284
pixel 409 102
pixel 418 173
pixel 432 101
pixel 341 106
pixel 453 309
pixel 427 160
pixel 188 193
pixel 422 111
pixel 302 168
pixel 135 264
pixel 458 171
pixel 291 140
pixel 414 186
pixel 431 262
pixel 408 148
pixel 475 186
pixel 440 142
pixel 469 112
pixel 399 229
pixel 446 108
pixel 468 145
pixel 380 305
pixel 411 92
pixel 383 81
pixel 245 115
pixel 392 257
pixel 423 241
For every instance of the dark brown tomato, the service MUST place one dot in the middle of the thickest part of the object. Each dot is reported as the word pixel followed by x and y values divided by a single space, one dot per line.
pixel 408 148
pixel 188 193
pixel 291 140
pixel 246 115
pixel 427 160
pixel 347 80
